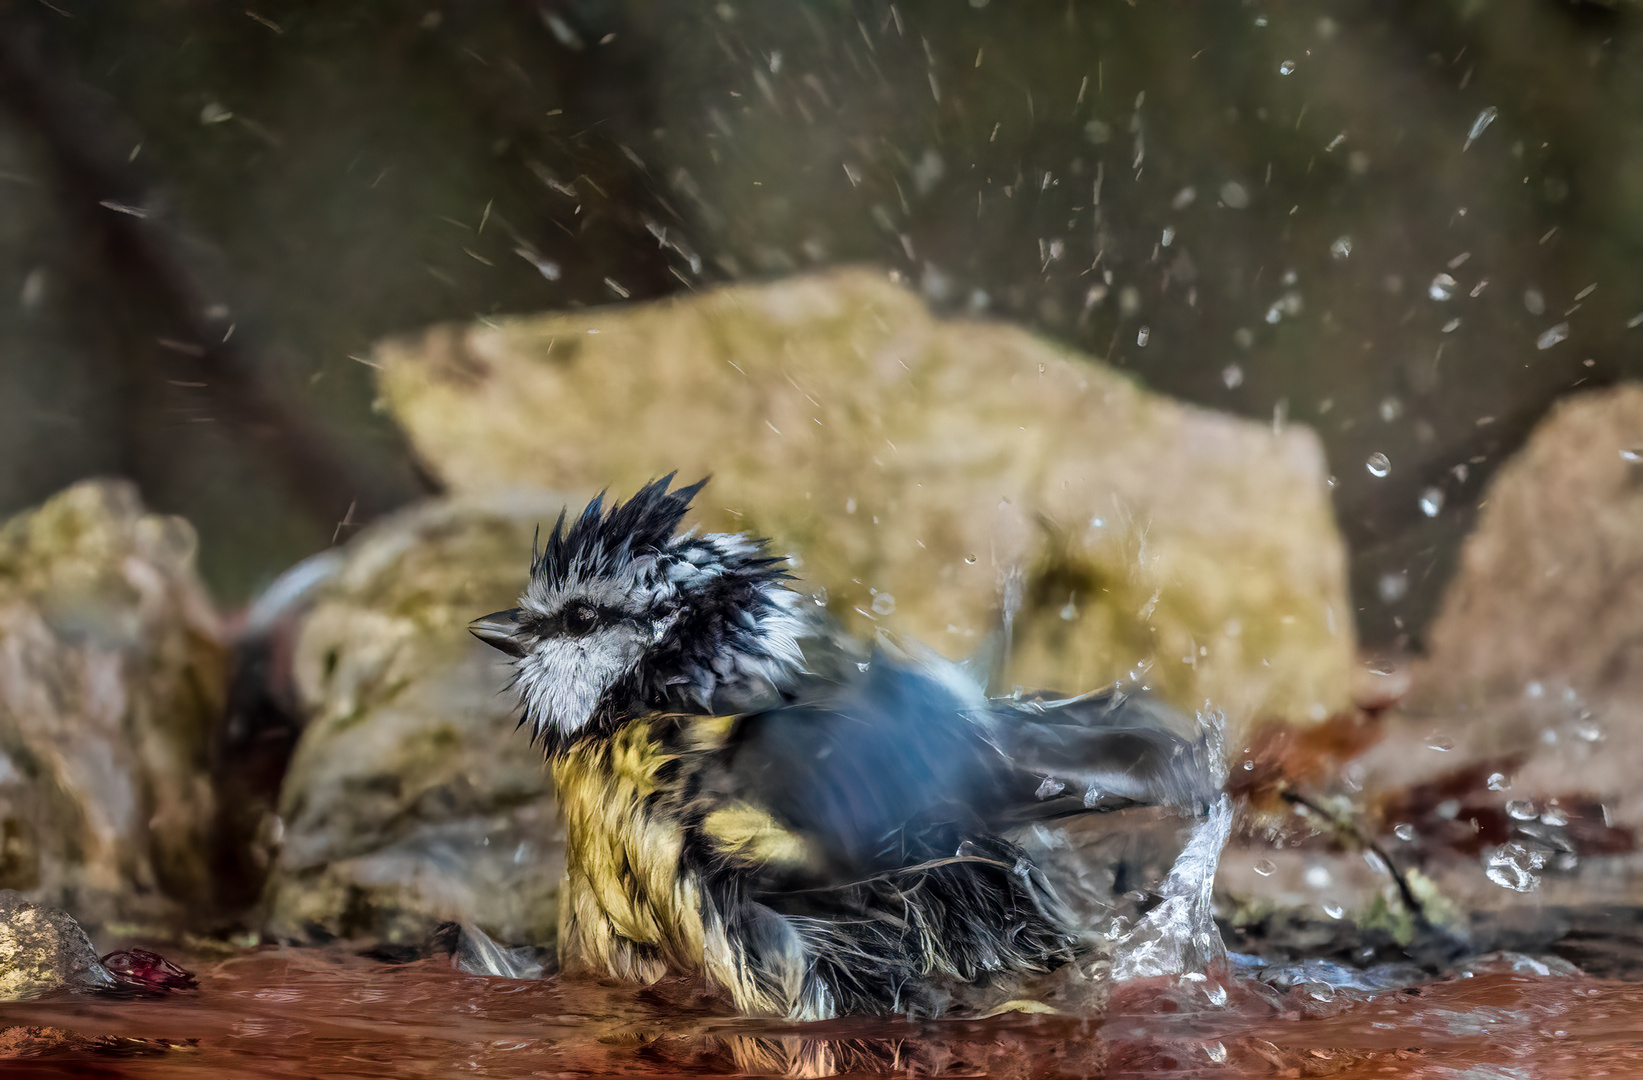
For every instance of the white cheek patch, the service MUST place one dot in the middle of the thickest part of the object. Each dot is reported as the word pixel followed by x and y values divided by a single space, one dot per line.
pixel 563 678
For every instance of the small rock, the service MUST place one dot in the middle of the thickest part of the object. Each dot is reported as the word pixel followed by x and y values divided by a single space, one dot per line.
pixel 139 969
pixel 411 800
pixel 44 949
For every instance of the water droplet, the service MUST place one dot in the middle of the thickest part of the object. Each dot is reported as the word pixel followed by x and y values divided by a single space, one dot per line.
pixel 1069 610
pixel 1499 782
pixel 1485 118
pixel 884 604
pixel 1092 796
pixel 1378 464
pixel 1318 877
pixel 820 597
pixel 1392 586
pixel 1512 866
pixel 1440 742
pixel 1050 788
pixel 1555 816
pixel 1534 302
pixel 1405 832
pixel 971 559
pixel 1552 336
pixel 1522 809
pixel 1451 326
pixel 1334 911
pixel 1391 409
pixel 1233 376
pixel 1633 455
pixel 1266 867
pixel 1341 248
pixel 1234 195
pixel 1169 236
pixel 1143 335
pixel 1442 287
pixel 1431 501
pixel 1286 68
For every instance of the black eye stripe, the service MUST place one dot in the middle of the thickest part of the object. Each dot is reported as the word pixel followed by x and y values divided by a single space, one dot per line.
pixel 579 618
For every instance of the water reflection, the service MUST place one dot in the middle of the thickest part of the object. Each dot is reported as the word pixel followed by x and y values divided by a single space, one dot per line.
pixel 289 1012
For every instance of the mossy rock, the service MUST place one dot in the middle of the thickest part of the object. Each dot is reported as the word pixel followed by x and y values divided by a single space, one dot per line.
pixel 411 799
pixel 915 467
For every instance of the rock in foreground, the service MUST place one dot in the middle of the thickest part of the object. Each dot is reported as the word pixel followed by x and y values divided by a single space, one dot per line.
pixel 411 800
pixel 917 465
pixel 111 674
pixel 43 949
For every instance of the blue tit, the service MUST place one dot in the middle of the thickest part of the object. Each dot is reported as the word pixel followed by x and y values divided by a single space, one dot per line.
pixel 814 832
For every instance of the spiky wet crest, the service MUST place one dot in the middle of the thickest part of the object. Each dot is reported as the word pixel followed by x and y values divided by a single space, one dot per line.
pixel 622 616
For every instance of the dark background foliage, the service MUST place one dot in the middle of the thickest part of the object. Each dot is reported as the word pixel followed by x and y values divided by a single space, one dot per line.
pixel 210 213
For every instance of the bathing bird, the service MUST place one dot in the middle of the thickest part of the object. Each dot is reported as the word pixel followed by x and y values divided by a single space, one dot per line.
pixel 814 827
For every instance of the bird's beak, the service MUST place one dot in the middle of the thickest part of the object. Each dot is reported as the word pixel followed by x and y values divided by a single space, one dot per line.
pixel 499 630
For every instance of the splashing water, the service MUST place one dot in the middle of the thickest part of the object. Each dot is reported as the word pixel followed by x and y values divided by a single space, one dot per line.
pixel 1179 935
pixel 1479 126
pixel 1552 336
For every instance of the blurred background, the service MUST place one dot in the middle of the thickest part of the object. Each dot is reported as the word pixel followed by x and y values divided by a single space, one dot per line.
pixel 1410 225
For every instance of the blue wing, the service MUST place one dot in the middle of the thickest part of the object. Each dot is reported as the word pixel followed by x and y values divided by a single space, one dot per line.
pixel 903 765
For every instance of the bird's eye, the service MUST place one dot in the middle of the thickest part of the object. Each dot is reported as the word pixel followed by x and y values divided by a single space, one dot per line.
pixel 580 620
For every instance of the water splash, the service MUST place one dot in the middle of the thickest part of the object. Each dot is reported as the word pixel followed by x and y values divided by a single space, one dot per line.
pixel 1552 336
pixel 1481 124
pixel 1179 935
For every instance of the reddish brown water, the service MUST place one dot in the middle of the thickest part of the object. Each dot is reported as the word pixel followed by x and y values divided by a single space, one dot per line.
pixel 299 1013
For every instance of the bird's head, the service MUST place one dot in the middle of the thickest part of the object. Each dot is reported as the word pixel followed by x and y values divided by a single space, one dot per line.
pixel 621 616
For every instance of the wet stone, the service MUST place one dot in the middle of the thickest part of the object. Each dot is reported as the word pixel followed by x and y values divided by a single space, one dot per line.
pixel 411 800
pixel 111 674
pixel 43 949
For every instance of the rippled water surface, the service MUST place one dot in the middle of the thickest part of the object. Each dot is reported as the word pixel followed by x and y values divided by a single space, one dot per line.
pixel 288 1013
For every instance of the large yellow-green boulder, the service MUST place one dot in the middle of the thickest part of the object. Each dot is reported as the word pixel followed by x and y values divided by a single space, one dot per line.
pixel 917 466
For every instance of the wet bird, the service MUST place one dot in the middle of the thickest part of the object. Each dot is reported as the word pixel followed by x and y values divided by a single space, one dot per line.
pixel 816 828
